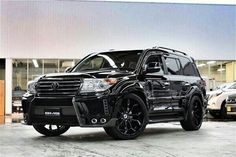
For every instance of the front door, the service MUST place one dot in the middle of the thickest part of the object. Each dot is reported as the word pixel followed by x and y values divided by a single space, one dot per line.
pixel 157 85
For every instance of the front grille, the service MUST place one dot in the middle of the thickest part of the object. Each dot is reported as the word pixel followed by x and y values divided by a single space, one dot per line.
pixel 56 87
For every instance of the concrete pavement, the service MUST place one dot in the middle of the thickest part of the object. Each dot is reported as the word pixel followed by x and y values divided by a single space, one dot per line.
pixel 216 139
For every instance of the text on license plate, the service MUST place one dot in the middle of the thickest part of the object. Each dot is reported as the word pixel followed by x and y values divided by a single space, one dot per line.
pixel 52 112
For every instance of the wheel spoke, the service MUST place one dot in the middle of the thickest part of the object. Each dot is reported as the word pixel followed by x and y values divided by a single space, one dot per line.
pixel 135 114
pixel 128 105
pixel 122 109
pixel 126 127
pixel 137 121
pixel 50 127
pixel 131 127
pixel 132 108
pixel 120 123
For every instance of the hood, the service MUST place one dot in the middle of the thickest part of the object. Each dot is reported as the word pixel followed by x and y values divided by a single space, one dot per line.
pixel 94 74
pixel 214 92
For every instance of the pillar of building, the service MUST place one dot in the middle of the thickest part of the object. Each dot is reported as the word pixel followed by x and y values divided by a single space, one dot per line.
pixel 8 87
pixel 231 72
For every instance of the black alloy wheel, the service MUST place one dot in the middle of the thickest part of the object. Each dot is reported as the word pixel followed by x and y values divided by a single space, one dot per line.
pixel 194 115
pixel 197 113
pixel 132 118
pixel 51 130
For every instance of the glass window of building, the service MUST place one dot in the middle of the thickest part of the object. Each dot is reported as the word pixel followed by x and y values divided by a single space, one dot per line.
pixel 217 72
pixel 65 63
pixel 35 68
pixel 50 66
pixel 19 83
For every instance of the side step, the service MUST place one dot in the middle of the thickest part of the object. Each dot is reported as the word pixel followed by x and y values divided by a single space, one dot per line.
pixel 166 115
pixel 165 120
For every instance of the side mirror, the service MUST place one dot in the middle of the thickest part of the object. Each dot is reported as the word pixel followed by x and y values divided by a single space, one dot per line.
pixel 152 67
pixel 68 69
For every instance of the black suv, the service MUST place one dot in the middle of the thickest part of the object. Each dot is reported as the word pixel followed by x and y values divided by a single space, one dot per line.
pixel 121 91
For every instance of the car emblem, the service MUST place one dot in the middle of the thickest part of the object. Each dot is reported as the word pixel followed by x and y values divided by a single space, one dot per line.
pixel 55 85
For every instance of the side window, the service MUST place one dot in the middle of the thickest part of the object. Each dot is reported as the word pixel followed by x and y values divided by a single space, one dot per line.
pixel 188 68
pixel 173 66
pixel 156 58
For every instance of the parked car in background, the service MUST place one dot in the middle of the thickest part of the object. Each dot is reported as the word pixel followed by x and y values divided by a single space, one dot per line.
pixel 231 105
pixel 217 99
pixel 17 94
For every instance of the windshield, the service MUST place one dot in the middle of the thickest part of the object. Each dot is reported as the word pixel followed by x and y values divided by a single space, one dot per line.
pixel 121 60
pixel 225 86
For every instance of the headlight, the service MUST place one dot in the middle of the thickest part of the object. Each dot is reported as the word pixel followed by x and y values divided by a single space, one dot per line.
pixel 97 85
pixel 31 87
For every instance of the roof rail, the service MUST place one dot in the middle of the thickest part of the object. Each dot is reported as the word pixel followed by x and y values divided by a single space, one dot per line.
pixel 164 48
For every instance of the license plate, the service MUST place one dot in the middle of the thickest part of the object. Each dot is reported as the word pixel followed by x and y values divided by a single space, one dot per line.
pixel 52 112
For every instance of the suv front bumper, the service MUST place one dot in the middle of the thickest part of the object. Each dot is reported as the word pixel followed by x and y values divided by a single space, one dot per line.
pixel 34 109
pixel 94 110
pixel 231 108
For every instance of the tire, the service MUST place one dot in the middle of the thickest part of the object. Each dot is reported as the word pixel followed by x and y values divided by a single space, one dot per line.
pixel 194 115
pixel 48 130
pixel 223 111
pixel 215 114
pixel 132 118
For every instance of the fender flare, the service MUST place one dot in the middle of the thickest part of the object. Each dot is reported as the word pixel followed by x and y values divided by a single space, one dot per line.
pixel 131 87
pixel 194 91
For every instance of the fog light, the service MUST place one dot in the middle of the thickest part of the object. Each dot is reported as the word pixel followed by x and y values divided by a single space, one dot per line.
pixel 94 121
pixel 103 120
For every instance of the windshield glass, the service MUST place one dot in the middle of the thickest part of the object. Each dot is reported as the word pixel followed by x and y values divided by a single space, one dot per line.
pixel 225 86
pixel 121 60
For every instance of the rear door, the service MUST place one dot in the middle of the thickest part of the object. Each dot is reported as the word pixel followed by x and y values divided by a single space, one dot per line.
pixel 190 72
pixel 178 82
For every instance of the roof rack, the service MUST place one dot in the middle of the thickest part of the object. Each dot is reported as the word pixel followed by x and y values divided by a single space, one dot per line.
pixel 164 48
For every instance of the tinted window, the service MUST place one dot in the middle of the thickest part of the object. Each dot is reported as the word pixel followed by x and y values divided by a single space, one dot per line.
pixel 94 63
pixel 156 58
pixel 188 68
pixel 121 60
pixel 173 66
pixel 233 86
